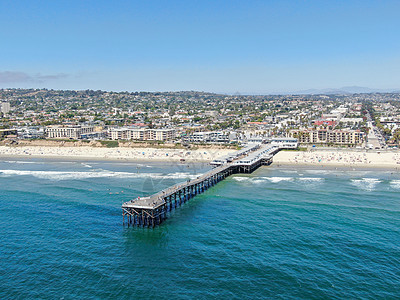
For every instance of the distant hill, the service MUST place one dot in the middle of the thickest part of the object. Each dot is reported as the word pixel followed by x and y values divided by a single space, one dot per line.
pixel 347 90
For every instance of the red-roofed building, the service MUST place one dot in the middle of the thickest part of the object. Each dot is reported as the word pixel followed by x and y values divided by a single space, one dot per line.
pixel 324 122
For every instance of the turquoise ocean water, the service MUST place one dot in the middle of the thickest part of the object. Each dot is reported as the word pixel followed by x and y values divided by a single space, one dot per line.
pixel 280 232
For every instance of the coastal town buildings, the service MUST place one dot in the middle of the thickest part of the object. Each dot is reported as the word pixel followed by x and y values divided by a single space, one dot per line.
pixel 328 136
pixel 8 132
pixel 30 132
pixel 199 117
pixel 141 134
pixel 5 107
pixel 67 132
pixel 208 137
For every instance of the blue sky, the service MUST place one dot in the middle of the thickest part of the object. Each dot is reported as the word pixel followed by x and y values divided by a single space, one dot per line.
pixel 217 46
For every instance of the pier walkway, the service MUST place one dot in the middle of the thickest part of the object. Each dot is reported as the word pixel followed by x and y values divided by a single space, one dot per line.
pixel 152 211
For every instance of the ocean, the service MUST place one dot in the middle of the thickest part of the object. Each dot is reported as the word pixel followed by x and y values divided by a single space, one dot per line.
pixel 281 233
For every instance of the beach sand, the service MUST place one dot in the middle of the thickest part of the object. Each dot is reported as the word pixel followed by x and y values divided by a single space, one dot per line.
pixel 340 158
pixel 120 153
pixel 335 157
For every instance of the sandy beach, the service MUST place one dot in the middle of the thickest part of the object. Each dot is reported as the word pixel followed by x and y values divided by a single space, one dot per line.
pixel 335 157
pixel 339 158
pixel 121 153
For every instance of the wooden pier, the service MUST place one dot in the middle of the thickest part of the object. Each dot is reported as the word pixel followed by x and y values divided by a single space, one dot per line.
pixel 152 211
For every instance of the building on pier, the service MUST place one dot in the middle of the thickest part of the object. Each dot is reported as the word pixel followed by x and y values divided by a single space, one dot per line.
pixel 286 142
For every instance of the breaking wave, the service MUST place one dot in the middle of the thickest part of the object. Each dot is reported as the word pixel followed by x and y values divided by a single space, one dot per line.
pixel 241 178
pixel 86 165
pixel 59 175
pixel 254 180
pixel 395 184
pixel 278 179
pixel 367 184
pixel 313 179
pixel 19 162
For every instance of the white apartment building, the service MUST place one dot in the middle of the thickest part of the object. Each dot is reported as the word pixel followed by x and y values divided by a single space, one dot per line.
pixel 5 107
pixel 141 134
pixel 67 132
pixel 209 137
pixel 327 136
pixel 119 134
pixel 163 134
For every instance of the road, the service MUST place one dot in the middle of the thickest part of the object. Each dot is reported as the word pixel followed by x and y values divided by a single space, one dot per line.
pixel 375 138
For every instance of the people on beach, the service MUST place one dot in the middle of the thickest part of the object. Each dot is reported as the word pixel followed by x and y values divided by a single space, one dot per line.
pixel 122 153
pixel 343 158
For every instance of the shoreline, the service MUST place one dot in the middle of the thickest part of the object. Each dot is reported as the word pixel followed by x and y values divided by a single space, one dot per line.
pixel 339 159
pixel 114 154
pixel 337 167
pixel 324 159
pixel 105 159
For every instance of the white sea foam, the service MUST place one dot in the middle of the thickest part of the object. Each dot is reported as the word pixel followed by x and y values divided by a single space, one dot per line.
pixel 360 173
pixel 289 171
pixel 339 172
pixel 395 184
pixel 279 179
pixel 241 179
pixel 143 166
pixel 367 184
pixel 258 180
pixel 20 162
pixel 251 180
pixel 57 175
pixel 317 171
pixel 313 179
